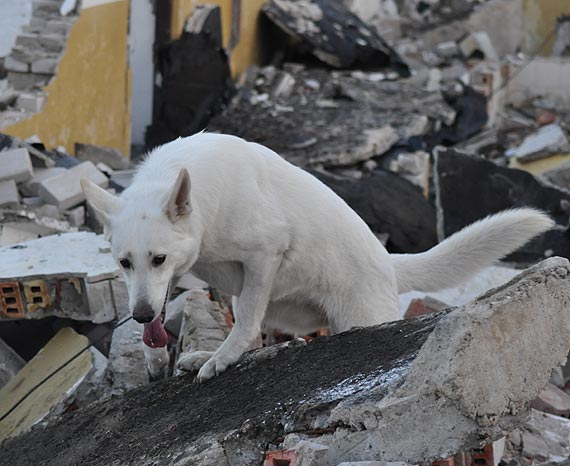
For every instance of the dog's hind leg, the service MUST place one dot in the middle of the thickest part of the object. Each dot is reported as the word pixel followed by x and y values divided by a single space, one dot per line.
pixel 259 275
pixel 362 307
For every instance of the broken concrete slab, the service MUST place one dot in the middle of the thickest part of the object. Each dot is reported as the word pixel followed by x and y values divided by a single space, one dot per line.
pixel 9 196
pixel 373 403
pixel 10 363
pixel 55 391
pixel 76 217
pixel 99 154
pixel 334 35
pixel 460 178
pixel 15 165
pixel 64 191
pixel 69 254
pixel 121 179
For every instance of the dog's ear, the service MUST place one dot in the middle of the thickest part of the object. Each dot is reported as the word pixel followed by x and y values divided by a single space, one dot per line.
pixel 104 203
pixel 178 204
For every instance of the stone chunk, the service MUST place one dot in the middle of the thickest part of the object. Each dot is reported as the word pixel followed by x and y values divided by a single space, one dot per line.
pixel 31 187
pixel 112 157
pixel 64 191
pixel 15 164
pixel 9 196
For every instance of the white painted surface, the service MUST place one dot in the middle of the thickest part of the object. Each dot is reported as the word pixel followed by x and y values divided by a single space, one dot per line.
pixel 13 15
pixel 141 40
pixel 70 253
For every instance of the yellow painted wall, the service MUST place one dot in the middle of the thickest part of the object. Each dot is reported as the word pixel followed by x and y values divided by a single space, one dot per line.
pixel 540 18
pixel 89 98
pixel 247 50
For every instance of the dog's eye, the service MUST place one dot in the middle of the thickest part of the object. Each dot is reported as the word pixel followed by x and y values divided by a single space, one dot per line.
pixel 158 260
pixel 125 263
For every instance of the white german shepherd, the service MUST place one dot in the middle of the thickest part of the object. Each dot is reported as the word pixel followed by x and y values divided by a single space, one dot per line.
pixel 293 254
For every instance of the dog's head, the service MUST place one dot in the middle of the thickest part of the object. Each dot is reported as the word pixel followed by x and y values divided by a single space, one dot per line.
pixel 151 239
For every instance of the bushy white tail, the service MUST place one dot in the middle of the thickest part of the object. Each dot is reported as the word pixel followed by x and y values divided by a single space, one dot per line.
pixel 468 251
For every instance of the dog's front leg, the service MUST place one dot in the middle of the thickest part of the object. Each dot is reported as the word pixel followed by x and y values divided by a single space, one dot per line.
pixel 249 312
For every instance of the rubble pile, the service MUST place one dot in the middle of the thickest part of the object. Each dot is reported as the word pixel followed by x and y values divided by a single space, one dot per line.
pixel 33 60
pixel 413 390
pixel 424 116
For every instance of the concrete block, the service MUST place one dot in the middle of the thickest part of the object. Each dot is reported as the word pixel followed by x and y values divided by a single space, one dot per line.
pixel 9 196
pixel 478 42
pixel 52 42
pixel 22 81
pixel 31 187
pixel 30 102
pixel 64 191
pixel 10 363
pixel 15 164
pixel 12 64
pixel 112 157
pixel 45 66
pixel 76 217
pixel 28 40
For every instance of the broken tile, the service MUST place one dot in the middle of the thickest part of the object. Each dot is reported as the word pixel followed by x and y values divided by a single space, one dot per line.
pixel 15 164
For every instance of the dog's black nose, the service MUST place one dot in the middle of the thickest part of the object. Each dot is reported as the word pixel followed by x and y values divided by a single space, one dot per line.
pixel 143 313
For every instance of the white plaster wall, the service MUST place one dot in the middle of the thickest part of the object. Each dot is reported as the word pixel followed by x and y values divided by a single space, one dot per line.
pixel 13 15
pixel 141 40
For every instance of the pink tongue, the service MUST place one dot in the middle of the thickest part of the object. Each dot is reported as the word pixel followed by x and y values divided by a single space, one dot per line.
pixel 154 334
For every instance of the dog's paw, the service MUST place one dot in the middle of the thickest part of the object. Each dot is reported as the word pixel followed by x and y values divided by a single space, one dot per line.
pixel 214 366
pixel 194 360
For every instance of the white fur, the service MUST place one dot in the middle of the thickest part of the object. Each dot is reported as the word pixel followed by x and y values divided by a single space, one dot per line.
pixel 295 255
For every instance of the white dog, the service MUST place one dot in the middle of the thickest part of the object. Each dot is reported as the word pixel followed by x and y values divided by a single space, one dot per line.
pixel 293 254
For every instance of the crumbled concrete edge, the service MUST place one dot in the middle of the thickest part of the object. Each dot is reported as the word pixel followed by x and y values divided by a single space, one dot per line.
pixel 457 394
